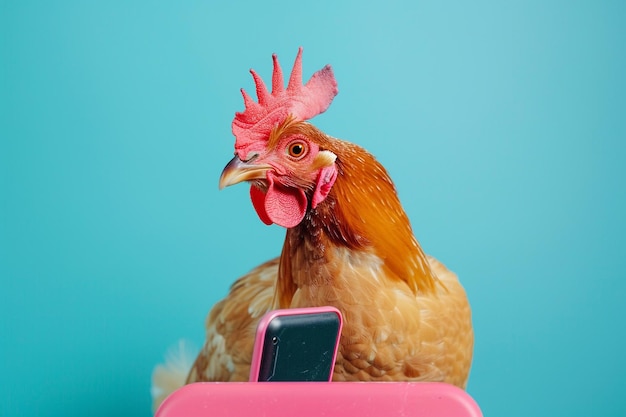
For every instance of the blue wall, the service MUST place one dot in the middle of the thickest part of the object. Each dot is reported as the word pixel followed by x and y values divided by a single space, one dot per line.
pixel 502 123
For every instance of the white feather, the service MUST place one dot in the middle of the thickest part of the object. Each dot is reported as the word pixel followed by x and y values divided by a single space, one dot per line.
pixel 168 377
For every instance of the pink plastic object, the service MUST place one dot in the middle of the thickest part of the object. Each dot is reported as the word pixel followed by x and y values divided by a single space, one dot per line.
pixel 268 317
pixel 309 399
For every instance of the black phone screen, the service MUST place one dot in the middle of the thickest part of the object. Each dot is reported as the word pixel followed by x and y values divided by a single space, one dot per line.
pixel 299 347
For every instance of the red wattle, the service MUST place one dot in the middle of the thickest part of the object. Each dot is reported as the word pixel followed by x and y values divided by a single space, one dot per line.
pixel 281 205
pixel 285 206
pixel 258 201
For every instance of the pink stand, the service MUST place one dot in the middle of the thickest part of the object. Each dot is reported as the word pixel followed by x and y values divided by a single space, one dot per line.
pixel 308 399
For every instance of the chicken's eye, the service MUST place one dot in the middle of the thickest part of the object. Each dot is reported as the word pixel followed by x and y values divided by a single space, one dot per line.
pixel 297 149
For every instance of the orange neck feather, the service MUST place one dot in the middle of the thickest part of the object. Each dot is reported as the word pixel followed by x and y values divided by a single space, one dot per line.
pixel 362 212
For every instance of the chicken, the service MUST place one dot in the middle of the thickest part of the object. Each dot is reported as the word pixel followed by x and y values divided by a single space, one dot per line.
pixel 349 244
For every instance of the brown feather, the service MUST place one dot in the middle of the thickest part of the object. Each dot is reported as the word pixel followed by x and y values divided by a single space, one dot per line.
pixel 406 317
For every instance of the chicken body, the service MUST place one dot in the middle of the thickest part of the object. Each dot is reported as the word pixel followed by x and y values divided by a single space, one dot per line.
pixel 406 316
pixel 349 244
pixel 389 335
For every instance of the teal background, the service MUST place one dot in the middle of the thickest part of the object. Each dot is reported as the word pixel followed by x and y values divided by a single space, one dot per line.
pixel 502 123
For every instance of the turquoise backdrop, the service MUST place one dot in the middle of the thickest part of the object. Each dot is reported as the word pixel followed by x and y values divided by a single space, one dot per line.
pixel 502 123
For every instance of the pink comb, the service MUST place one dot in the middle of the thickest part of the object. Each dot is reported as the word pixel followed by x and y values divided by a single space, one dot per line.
pixel 302 102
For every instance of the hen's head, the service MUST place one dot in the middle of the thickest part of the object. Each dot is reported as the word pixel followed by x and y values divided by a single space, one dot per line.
pixel 281 156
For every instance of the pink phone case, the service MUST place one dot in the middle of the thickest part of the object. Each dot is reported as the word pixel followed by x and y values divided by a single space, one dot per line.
pixel 268 317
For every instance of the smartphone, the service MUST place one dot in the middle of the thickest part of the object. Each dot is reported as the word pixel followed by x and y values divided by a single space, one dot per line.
pixel 298 344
